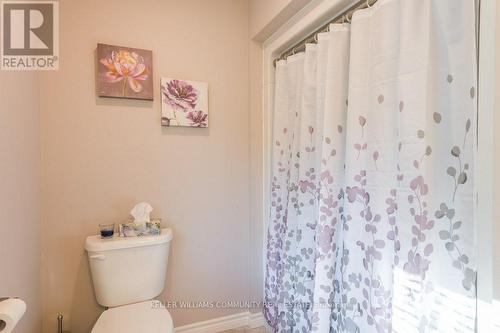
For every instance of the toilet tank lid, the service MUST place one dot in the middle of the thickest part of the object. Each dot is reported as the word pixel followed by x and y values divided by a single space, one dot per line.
pixel 96 243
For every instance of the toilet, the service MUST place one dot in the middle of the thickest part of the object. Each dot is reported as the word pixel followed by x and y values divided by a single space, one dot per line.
pixel 128 273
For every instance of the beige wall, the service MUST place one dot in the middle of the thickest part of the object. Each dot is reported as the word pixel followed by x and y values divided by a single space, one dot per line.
pixel 496 167
pixel 101 156
pixel 262 12
pixel 19 194
pixel 256 168
pixel 266 16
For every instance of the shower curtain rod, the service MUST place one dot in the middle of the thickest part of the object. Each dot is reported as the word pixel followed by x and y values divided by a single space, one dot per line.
pixel 345 16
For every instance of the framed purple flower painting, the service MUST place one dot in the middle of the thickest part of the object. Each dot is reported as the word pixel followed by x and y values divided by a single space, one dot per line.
pixel 184 103
pixel 124 72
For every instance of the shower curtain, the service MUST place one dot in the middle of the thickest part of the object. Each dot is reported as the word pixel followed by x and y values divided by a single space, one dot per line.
pixel 371 223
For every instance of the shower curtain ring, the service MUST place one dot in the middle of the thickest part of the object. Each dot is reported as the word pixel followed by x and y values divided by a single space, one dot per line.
pixel 368 4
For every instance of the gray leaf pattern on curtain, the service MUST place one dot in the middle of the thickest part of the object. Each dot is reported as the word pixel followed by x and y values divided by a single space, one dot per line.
pixel 371 223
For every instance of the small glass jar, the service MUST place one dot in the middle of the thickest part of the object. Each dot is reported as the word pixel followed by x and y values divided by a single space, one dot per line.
pixel 107 230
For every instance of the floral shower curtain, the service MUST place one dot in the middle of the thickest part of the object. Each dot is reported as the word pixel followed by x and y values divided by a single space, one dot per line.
pixel 372 202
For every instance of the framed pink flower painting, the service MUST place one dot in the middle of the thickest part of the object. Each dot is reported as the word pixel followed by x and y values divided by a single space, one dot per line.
pixel 124 72
pixel 184 103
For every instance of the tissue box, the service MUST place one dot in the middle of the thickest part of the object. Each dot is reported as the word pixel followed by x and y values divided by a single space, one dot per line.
pixel 130 229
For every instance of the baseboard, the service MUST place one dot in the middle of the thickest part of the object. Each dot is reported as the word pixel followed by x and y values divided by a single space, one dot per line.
pixel 256 320
pixel 243 319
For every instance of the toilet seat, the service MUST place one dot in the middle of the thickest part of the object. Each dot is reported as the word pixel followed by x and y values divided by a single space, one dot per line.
pixel 144 317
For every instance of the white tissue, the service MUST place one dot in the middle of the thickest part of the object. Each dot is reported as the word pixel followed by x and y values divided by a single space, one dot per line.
pixel 141 213
pixel 11 311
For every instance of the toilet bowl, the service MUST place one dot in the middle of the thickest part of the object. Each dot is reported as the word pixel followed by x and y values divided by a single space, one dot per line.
pixel 133 318
pixel 128 273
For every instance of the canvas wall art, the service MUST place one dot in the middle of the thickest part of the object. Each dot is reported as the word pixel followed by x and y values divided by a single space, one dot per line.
pixel 184 103
pixel 124 72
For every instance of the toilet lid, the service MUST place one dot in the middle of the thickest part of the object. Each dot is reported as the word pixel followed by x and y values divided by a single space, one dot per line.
pixel 144 317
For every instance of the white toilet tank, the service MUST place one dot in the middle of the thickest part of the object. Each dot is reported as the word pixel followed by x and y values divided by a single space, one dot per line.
pixel 128 269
